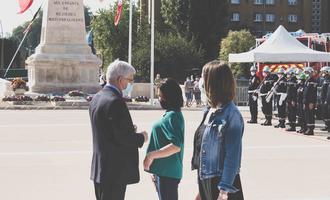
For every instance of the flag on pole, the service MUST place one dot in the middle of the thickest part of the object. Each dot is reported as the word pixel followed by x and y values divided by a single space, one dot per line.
pixel 27 29
pixel 24 5
pixel 118 13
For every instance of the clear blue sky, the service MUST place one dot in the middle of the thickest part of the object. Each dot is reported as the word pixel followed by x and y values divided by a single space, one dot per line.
pixel 10 19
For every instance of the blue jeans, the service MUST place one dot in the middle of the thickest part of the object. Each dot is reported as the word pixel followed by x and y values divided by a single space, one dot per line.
pixel 167 188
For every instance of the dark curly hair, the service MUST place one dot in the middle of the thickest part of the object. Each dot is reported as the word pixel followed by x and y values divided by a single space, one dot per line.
pixel 172 94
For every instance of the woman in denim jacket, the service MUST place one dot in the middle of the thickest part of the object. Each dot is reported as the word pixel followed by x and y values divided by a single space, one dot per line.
pixel 218 139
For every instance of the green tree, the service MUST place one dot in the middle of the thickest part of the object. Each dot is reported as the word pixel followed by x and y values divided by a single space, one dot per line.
pixel 207 22
pixel 237 42
pixel 110 40
pixel 175 56
pixel 176 15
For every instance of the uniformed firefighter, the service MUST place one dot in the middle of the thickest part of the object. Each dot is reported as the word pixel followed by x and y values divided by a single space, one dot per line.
pixel 253 95
pixel 310 98
pixel 280 91
pixel 291 98
pixel 267 99
pixel 300 105
pixel 325 71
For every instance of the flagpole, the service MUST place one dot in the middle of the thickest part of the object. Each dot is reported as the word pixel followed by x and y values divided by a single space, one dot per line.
pixel 130 32
pixel 152 50
pixel 12 60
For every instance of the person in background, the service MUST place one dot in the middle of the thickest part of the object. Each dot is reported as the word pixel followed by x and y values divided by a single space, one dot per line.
pixel 291 99
pixel 324 89
pixel 188 90
pixel 218 139
pixel 281 95
pixel 265 88
pixel 309 100
pixel 197 92
pixel 300 104
pixel 254 83
pixel 158 81
pixel 115 141
pixel 165 150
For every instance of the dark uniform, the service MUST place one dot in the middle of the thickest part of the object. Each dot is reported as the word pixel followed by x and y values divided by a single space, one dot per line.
pixel 281 88
pixel 324 103
pixel 253 97
pixel 291 102
pixel 300 105
pixel 267 109
pixel 325 96
pixel 309 101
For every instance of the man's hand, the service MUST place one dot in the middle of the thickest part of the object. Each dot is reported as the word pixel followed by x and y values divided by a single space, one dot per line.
pixel 311 106
pixel 148 161
pixel 145 135
pixel 223 195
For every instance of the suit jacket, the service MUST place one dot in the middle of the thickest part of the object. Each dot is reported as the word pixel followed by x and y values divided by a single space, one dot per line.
pixel 115 143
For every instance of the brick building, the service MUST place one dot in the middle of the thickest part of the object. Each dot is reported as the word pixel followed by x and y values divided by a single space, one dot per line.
pixel 263 16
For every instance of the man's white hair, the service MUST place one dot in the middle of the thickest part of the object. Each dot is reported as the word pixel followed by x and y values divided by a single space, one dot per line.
pixel 118 69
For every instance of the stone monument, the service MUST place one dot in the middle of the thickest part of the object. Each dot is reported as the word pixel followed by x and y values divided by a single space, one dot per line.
pixel 63 61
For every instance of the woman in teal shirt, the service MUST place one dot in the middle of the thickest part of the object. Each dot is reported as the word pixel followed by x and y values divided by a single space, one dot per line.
pixel 165 151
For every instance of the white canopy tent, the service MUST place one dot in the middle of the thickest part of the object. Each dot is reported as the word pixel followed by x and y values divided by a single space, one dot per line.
pixel 281 47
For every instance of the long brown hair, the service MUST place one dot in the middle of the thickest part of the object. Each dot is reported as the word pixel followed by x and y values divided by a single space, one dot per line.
pixel 219 83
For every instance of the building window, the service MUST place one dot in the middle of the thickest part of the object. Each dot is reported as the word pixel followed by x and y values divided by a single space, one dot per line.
pixel 292 18
pixel 258 17
pixel 235 1
pixel 270 18
pixel 258 2
pixel 270 2
pixel 292 2
pixel 235 17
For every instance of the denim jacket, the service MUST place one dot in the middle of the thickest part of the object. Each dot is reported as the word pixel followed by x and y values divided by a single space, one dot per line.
pixel 221 147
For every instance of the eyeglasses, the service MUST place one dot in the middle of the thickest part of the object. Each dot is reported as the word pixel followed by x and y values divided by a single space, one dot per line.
pixel 131 80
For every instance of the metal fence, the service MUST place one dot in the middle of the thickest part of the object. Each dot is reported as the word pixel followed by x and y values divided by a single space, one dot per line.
pixel 242 97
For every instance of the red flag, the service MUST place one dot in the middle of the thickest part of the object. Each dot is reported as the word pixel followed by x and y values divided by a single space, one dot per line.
pixel 24 5
pixel 118 13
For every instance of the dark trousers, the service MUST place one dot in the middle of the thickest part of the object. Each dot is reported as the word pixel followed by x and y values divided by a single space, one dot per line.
pixel 292 111
pixel 281 109
pixel 301 116
pixel 310 117
pixel 267 107
pixel 208 189
pixel 109 192
pixel 167 188
pixel 253 108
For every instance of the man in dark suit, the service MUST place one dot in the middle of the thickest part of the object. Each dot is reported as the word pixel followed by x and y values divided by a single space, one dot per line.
pixel 115 141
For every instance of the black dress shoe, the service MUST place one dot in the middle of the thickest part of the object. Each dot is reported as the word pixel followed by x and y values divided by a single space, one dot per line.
pixel 252 122
pixel 309 132
pixel 267 123
pixel 301 131
pixel 282 125
pixel 277 126
pixel 328 138
pixel 291 128
pixel 324 129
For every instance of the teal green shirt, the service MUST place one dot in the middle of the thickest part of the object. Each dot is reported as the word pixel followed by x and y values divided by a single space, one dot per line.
pixel 169 129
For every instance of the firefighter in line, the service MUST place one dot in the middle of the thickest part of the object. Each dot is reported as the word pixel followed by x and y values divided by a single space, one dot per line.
pixel 300 105
pixel 254 83
pixel 324 89
pixel 309 100
pixel 265 88
pixel 291 99
pixel 281 95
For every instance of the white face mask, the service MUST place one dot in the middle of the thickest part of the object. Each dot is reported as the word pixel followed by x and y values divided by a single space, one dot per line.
pixel 127 92
pixel 253 73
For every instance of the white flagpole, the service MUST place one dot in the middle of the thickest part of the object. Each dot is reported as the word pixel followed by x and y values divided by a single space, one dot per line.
pixel 152 50
pixel 130 32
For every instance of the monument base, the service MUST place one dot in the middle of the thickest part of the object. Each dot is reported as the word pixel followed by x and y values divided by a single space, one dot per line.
pixel 61 73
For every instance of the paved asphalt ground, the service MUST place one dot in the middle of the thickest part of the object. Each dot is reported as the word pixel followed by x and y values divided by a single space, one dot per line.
pixel 46 155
